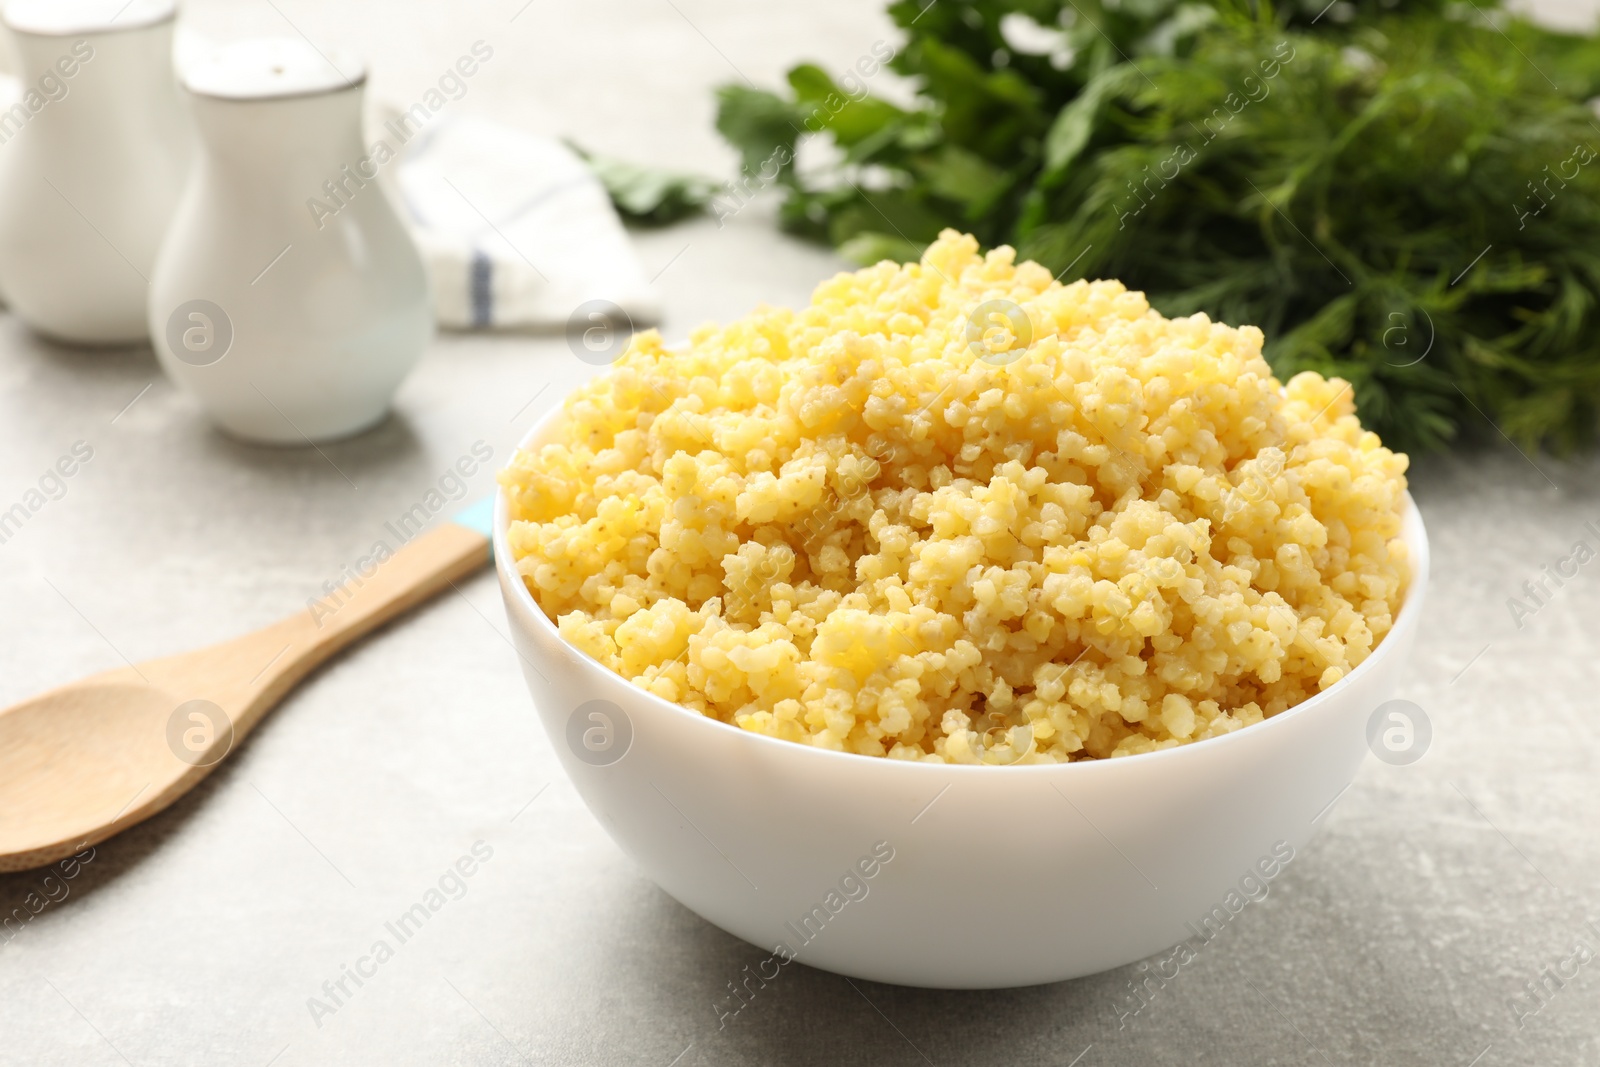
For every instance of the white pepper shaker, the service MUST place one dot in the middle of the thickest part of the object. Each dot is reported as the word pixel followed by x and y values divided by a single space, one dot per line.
pixel 92 161
pixel 288 296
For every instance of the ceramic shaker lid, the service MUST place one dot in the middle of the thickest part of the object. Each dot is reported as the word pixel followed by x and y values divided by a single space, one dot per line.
pixel 61 18
pixel 272 68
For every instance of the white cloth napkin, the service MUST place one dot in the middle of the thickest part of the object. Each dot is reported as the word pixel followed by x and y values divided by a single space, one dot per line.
pixel 516 230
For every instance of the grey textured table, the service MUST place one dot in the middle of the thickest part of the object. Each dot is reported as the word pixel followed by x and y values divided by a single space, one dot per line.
pixel 1401 935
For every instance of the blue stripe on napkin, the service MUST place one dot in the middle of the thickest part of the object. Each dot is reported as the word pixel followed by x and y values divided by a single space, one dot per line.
pixel 481 283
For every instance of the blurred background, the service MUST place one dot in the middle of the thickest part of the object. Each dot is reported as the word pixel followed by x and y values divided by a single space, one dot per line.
pixel 1437 896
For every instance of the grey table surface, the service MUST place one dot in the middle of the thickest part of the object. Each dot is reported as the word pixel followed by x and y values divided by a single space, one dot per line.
pixel 1402 934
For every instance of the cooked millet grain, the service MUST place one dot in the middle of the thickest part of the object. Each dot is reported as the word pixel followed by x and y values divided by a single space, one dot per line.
pixel 842 527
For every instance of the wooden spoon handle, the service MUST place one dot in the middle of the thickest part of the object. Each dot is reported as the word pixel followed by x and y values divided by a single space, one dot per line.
pixel 250 674
pixel 81 762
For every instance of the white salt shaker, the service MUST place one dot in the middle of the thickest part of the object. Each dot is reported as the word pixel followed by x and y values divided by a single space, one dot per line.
pixel 92 162
pixel 288 296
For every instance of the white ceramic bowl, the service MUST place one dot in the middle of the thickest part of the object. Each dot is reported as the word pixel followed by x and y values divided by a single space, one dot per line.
pixel 999 876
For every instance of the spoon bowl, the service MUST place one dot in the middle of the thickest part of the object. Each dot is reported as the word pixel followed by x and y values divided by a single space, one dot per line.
pixel 91 749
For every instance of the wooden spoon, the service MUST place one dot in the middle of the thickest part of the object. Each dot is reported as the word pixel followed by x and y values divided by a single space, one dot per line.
pixel 85 761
